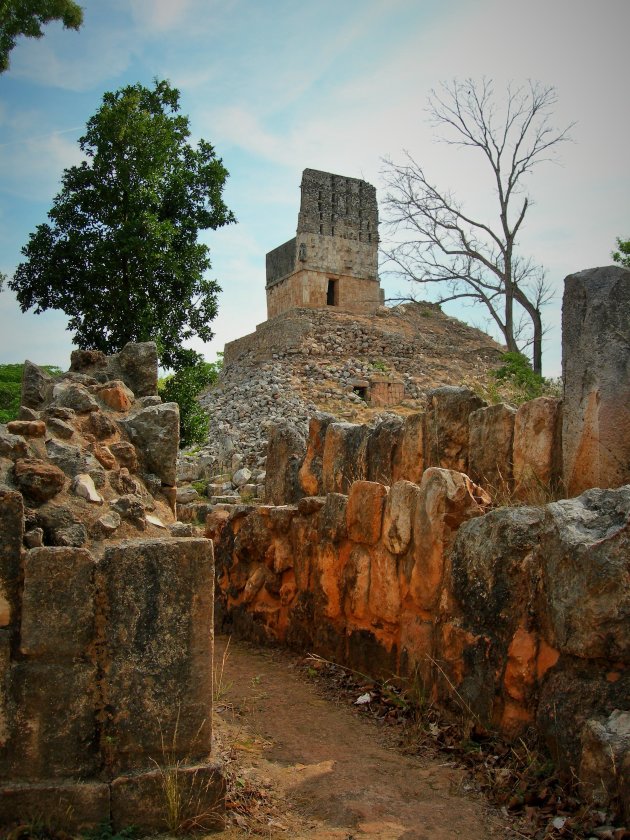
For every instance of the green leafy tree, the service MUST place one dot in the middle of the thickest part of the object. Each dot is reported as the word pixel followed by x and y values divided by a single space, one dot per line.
pixel 622 255
pixel 121 256
pixel 26 17
pixel 184 387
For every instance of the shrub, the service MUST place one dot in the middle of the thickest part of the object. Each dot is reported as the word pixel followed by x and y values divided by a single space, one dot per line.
pixel 517 375
pixel 183 387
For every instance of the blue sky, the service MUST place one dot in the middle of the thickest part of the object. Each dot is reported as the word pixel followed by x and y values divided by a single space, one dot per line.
pixel 281 85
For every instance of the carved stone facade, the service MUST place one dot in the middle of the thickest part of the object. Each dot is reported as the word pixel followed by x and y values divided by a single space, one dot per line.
pixel 333 259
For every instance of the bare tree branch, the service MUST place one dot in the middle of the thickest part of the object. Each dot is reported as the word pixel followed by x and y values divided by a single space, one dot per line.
pixel 441 243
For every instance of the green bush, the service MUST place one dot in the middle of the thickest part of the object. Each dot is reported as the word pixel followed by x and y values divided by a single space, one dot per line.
pixel 517 375
pixel 183 387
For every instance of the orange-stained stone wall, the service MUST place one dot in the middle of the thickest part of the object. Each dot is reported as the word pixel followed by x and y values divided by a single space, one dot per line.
pixel 423 579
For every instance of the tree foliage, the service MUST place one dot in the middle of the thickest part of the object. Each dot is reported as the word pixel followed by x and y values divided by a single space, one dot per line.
pixel 184 387
pixel 443 245
pixel 622 254
pixel 121 256
pixel 26 17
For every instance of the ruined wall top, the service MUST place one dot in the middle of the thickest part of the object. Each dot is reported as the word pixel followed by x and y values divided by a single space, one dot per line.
pixel 334 205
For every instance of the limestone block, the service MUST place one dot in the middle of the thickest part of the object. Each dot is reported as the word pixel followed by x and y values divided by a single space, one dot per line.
pixel 116 396
pixel 446 499
pixel 37 479
pixel 73 460
pixel 446 427
pixel 187 494
pixel 27 428
pixel 11 534
pixel 52 733
pixel 28 413
pixel 12 446
pixel 59 428
pixel 494 571
pixel 83 486
pixel 215 523
pixel 104 455
pixel 584 552
pixel 345 456
pixel 491 431
pixel 537 448
pixel 398 516
pixel 310 473
pixel 383 450
pixel 137 366
pixel 241 477
pixel 285 450
pixel 57 603
pixel 154 431
pixel 75 396
pixel 99 425
pixel 310 505
pixel 384 592
pixel 37 386
pixel 572 693
pixel 157 605
pixel 364 514
pixel 410 465
pixel 332 518
pixel 141 800
pixel 605 754
pixel 68 806
pixel 357 576
pixel 596 372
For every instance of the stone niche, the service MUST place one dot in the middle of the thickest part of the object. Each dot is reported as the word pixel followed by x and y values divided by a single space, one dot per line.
pixel 333 259
pixel 379 391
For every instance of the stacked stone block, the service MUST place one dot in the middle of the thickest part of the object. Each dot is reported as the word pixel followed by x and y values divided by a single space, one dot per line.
pixel 106 618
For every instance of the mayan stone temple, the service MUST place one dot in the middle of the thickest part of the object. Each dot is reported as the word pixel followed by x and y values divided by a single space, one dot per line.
pixel 333 258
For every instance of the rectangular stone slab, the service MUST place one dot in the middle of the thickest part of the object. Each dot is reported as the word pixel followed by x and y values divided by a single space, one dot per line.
pixel 156 614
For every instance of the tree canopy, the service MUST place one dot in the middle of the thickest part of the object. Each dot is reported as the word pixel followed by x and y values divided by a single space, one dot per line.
pixel 622 254
pixel 447 247
pixel 26 17
pixel 121 256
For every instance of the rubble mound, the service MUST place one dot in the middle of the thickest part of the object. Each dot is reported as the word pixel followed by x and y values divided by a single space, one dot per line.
pixel 310 360
pixel 93 459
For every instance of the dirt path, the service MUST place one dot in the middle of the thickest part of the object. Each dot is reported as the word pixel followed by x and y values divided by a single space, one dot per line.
pixel 301 766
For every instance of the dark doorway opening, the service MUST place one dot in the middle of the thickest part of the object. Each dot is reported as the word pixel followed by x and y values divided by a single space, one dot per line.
pixel 332 293
pixel 361 391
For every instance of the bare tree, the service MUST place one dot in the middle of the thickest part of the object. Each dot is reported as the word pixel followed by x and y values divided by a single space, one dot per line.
pixel 444 245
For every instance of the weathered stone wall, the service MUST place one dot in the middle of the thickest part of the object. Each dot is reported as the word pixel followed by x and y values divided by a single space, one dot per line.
pixel 516 618
pixel 106 613
pixel 457 431
pixel 392 562
pixel 307 288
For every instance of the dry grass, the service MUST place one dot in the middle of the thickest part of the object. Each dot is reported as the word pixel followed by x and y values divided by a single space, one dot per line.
pixel 190 801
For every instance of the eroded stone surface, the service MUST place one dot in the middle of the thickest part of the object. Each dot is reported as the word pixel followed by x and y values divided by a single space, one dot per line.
pixel 37 479
pixel 158 690
pixel 154 431
pixel 596 413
